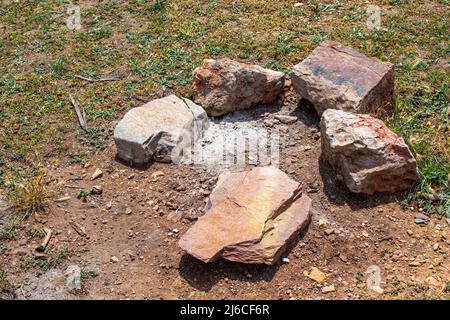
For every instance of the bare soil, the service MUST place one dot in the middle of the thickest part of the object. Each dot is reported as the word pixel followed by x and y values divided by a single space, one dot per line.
pixel 134 216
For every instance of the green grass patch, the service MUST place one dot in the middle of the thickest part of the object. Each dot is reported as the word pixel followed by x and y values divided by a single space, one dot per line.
pixel 42 265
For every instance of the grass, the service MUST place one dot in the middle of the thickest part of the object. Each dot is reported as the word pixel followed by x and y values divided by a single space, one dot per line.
pixel 8 230
pixel 6 285
pixel 53 259
pixel 28 195
pixel 155 49
pixel 87 275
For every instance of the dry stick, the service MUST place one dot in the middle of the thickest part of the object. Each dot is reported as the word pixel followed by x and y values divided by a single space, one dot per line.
pixel 44 243
pixel 98 80
pixel 73 187
pixel 78 228
pixel 81 117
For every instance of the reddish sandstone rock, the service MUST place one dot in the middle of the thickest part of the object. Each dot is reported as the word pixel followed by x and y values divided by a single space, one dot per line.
pixel 222 86
pixel 253 216
pixel 366 155
pixel 337 77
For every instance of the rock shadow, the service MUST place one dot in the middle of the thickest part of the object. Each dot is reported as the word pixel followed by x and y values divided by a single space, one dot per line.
pixel 203 276
pixel 251 114
pixel 338 194
pixel 140 167
pixel 306 114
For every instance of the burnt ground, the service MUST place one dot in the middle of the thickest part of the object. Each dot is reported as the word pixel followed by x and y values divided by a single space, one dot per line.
pixel 132 220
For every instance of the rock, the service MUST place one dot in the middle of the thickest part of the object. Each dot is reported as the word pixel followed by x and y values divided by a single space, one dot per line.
pixel 328 289
pixel 322 222
pixel 365 154
pixel 191 215
pixel 420 218
pixel 157 174
pixel 97 190
pixel 73 277
pixel 222 86
pixel 252 217
pixel 431 281
pixel 160 130
pixel 377 289
pixel 97 174
pixel 315 275
pixel 337 77
pixel 285 119
pixel 343 258
pixel 114 259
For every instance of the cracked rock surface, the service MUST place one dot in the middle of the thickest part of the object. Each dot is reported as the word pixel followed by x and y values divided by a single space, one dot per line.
pixel 337 77
pixel 223 86
pixel 366 155
pixel 159 130
pixel 252 217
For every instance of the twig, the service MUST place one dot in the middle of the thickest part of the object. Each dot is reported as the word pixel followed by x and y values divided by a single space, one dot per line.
pixel 81 117
pixel 73 187
pixel 98 80
pixel 78 228
pixel 44 243
pixel 388 237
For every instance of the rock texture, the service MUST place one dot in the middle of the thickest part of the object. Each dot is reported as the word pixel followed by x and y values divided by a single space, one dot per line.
pixel 252 217
pixel 222 86
pixel 337 77
pixel 159 130
pixel 366 155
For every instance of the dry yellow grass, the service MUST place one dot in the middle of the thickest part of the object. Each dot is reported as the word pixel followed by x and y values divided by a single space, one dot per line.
pixel 28 195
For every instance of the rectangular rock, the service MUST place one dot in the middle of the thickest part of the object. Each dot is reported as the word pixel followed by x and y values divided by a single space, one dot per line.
pixel 334 76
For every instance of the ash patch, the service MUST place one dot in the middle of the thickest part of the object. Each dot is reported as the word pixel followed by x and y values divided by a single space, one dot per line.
pixel 235 141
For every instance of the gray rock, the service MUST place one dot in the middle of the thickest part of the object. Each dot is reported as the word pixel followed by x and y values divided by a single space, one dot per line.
pixel 337 77
pixel 285 119
pixel 222 86
pixel 161 130
pixel 366 155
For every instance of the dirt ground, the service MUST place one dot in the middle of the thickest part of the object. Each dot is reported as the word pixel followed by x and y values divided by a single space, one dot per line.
pixel 134 218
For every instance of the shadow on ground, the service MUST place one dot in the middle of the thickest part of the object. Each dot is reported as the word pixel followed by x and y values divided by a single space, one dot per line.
pixel 140 167
pixel 338 194
pixel 203 276
pixel 306 114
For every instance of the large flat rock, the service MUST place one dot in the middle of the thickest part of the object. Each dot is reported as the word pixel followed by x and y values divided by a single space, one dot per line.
pixel 366 155
pixel 159 130
pixel 223 86
pixel 252 217
pixel 334 76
